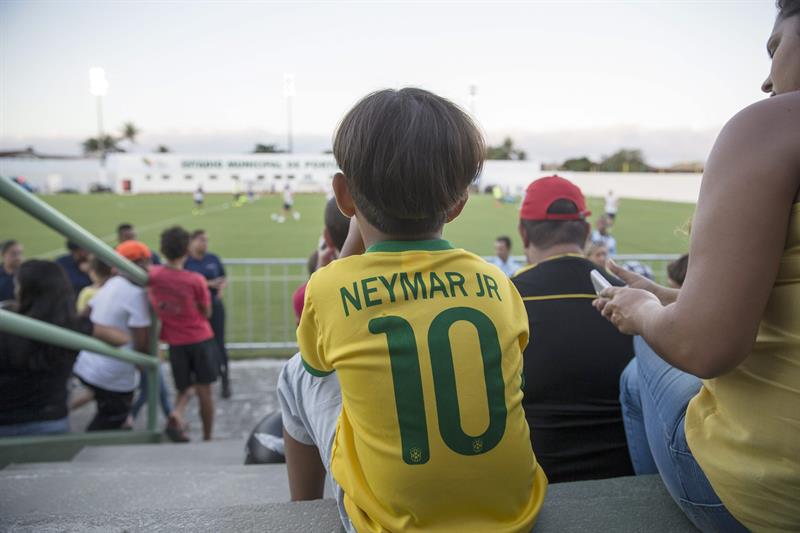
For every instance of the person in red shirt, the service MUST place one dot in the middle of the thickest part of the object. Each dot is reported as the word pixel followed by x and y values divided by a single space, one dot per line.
pixel 183 304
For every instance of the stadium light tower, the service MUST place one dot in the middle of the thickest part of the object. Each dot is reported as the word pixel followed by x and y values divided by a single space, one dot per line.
pixel 288 94
pixel 98 86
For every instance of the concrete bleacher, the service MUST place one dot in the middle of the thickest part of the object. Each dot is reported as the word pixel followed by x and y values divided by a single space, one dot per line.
pixel 205 487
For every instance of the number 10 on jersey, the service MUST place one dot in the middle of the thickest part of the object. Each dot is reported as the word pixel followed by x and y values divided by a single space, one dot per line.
pixel 407 378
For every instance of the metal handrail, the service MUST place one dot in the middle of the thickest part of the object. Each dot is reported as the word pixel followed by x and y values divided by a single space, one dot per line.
pixel 24 326
pixel 37 330
pixel 62 224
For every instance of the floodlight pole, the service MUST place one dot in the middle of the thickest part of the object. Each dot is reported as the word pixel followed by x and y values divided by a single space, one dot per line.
pixel 288 93
pixel 289 140
pixel 100 138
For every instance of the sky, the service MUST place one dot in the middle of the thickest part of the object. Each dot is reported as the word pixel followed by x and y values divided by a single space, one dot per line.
pixel 561 78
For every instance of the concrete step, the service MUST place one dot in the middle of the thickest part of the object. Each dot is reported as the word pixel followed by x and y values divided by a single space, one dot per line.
pixel 75 489
pixel 221 453
pixel 623 505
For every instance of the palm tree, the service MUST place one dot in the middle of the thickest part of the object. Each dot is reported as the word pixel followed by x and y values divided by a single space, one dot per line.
pixel 129 132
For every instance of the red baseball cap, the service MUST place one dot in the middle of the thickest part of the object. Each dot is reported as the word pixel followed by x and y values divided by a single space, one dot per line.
pixel 133 250
pixel 543 192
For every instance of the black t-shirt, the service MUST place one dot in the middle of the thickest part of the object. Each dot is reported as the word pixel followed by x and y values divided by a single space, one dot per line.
pixel 33 378
pixel 572 367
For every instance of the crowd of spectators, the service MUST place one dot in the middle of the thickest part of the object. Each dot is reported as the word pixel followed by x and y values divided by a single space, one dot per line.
pixel 81 292
pixel 697 383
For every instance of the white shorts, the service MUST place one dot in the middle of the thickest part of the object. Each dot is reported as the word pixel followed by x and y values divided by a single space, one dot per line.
pixel 310 407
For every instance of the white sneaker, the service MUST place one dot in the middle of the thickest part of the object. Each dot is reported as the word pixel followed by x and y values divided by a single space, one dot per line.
pixel 296 215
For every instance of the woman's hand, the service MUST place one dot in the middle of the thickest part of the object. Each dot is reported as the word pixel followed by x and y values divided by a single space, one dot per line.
pixel 635 281
pixel 626 307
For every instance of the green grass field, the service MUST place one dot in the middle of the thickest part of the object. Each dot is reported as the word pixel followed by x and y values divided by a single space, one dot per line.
pixel 258 299
pixel 248 232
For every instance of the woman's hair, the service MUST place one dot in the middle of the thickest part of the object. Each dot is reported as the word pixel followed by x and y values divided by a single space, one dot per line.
pixel 99 267
pixel 45 293
pixel 788 8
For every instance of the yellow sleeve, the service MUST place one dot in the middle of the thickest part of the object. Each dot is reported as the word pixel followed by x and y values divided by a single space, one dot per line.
pixel 85 295
pixel 309 339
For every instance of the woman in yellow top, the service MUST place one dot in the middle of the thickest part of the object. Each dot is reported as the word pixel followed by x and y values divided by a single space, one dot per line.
pixel 712 399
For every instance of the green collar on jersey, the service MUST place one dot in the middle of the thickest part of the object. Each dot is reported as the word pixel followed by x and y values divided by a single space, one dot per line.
pixel 432 245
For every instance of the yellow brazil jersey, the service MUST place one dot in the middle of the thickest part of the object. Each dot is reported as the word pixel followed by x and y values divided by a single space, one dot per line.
pixel 427 342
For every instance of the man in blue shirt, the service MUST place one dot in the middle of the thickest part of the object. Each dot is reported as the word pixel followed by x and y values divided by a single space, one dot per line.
pixel 11 253
pixel 76 265
pixel 503 259
pixel 210 266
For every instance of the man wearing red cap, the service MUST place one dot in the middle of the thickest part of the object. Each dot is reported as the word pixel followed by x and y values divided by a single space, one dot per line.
pixel 122 304
pixel 573 361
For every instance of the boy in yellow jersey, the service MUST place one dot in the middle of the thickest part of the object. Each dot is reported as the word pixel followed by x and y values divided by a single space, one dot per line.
pixel 414 348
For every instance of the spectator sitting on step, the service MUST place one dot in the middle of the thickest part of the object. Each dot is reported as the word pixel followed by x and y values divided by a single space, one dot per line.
pixel 597 253
pixel 183 303
pixel 34 374
pixel 11 255
pixel 123 304
pixel 359 400
pixel 502 258
pixel 574 359
pixel 333 237
pixel 676 271
pixel 76 265
pixel 711 400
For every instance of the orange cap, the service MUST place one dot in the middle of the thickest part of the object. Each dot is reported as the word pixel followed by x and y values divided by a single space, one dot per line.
pixel 134 250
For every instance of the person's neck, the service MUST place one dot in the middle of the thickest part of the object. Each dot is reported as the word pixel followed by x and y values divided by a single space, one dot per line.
pixel 176 264
pixel 7 270
pixel 195 254
pixel 537 255
pixel 372 235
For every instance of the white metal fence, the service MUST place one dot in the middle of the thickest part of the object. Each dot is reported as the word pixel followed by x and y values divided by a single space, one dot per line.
pixel 258 299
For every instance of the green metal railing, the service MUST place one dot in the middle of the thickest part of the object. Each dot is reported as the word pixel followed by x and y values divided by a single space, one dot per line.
pixel 19 448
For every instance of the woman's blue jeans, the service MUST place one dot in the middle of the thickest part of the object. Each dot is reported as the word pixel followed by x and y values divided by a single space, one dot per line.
pixel 39 427
pixel 163 394
pixel 654 397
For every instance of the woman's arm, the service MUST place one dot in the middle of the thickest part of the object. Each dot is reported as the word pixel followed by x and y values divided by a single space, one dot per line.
pixel 738 236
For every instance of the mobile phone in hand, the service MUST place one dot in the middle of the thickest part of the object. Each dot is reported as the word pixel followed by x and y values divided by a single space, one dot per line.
pixel 598 281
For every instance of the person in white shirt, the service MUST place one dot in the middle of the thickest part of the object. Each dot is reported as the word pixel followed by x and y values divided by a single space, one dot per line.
pixel 602 235
pixel 122 304
pixel 199 198
pixel 288 206
pixel 612 205
pixel 502 247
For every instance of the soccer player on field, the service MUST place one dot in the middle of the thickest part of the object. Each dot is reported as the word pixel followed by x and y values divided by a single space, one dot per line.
pixel 199 198
pixel 408 383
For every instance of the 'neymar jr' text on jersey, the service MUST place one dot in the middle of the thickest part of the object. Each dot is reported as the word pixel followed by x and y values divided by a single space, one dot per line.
pixel 426 342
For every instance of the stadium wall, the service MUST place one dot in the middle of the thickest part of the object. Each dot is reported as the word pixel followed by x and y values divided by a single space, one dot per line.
pixel 224 173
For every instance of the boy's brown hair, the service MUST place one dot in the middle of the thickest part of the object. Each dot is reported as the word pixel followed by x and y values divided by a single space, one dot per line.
pixel 408 157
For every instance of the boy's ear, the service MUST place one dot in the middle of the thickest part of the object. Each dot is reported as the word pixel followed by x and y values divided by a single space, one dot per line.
pixel 523 234
pixel 456 209
pixel 344 200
